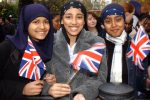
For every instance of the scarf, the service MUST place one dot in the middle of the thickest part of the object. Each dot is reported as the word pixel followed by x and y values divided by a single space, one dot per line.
pixel 116 66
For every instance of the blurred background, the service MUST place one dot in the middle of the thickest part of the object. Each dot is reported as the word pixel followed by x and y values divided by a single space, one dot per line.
pixel 11 8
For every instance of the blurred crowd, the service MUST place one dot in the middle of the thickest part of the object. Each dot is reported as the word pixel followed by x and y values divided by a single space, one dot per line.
pixel 77 30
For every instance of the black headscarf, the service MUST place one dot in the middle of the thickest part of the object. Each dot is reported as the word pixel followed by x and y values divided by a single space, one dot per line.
pixel 20 39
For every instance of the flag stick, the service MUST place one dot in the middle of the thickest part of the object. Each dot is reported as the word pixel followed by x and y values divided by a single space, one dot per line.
pixel 72 77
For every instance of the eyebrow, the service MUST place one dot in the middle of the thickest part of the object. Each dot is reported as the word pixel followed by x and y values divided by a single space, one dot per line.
pixel 72 14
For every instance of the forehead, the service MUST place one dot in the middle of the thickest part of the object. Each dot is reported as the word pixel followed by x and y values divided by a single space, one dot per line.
pixel 90 15
pixel 73 11
pixel 113 16
pixel 40 18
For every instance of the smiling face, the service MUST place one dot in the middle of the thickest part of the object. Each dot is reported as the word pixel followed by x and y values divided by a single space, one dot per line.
pixel 73 21
pixel 114 25
pixel 56 22
pixel 39 28
pixel 91 21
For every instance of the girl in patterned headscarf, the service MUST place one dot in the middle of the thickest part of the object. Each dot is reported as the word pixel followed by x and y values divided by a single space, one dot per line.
pixel 69 40
pixel 23 55
pixel 120 68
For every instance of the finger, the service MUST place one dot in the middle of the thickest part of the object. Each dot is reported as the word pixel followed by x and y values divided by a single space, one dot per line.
pixel 60 94
pixel 37 90
pixel 63 85
pixel 38 82
pixel 50 76
pixel 60 87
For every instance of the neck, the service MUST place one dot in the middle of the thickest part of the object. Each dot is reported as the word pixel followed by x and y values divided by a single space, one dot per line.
pixel 92 29
pixel 72 40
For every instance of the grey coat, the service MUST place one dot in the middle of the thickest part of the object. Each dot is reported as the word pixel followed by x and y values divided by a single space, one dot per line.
pixel 83 82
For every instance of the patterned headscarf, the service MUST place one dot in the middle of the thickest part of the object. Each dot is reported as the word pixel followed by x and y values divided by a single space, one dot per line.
pixel 20 40
pixel 112 9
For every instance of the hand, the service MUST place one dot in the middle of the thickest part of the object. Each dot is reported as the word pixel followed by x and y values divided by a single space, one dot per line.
pixel 59 90
pixel 79 97
pixel 149 71
pixel 50 79
pixel 33 88
pixel 148 79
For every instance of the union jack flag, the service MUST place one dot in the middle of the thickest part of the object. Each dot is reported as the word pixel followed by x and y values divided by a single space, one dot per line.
pixel 139 47
pixel 32 66
pixel 89 59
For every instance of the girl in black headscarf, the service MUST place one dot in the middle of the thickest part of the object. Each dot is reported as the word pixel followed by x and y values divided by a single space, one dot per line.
pixel 23 55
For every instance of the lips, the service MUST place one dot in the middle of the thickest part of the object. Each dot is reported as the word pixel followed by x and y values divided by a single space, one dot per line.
pixel 73 28
pixel 115 30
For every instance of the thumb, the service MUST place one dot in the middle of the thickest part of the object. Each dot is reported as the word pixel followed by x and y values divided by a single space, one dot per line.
pixel 38 82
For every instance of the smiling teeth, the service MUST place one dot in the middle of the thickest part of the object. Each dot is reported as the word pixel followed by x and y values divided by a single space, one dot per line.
pixel 74 28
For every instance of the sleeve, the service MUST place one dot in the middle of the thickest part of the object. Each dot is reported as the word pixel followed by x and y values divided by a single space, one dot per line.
pixel 10 87
pixel 46 85
pixel 90 88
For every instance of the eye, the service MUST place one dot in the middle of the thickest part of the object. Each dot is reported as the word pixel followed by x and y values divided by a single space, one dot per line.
pixel 80 17
pixel 46 21
pixel 107 21
pixel 118 19
pixel 35 21
pixel 68 17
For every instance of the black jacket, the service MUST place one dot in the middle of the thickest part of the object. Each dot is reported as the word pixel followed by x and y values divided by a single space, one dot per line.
pixel 11 85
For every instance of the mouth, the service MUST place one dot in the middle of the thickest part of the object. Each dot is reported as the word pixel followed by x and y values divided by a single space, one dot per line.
pixel 73 29
pixel 115 30
pixel 41 33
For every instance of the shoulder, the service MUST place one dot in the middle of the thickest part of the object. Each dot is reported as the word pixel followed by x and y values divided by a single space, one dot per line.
pixel 6 47
pixel 58 35
pixel 89 37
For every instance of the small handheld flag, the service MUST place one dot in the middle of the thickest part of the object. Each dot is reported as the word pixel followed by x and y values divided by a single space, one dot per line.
pixel 89 59
pixel 32 66
pixel 139 47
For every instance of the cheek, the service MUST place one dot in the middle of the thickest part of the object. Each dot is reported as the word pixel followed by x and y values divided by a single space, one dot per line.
pixel 47 27
pixel 82 22
pixel 30 31
pixel 121 24
pixel 107 26
pixel 88 22
pixel 96 21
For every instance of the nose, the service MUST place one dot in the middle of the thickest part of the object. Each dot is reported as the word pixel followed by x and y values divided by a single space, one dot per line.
pixel 42 25
pixel 113 23
pixel 74 21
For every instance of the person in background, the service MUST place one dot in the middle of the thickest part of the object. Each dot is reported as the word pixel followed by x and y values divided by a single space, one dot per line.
pixel 69 40
pixel 2 35
pixel 129 11
pixel 29 48
pixel 144 20
pixel 137 12
pixel 145 8
pixel 120 68
pixel 9 27
pixel 148 80
pixel 56 21
pixel 92 23
pixel 129 28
